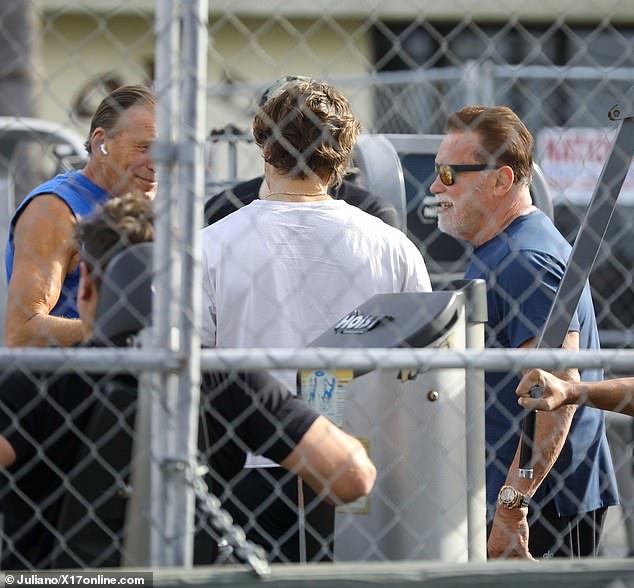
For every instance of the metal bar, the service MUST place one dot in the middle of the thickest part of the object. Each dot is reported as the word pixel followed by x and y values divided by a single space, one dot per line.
pixel 180 493
pixel 583 256
pixel 451 74
pixel 89 360
pixel 370 359
pixel 553 72
pixel 475 449
pixel 163 386
pixel 136 547
pixel 135 360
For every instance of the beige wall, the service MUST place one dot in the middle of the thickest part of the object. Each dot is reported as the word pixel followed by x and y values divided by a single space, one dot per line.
pixel 255 58
pixel 79 48
pixel 76 50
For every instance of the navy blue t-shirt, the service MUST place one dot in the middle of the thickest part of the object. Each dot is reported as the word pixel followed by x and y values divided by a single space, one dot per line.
pixel 523 266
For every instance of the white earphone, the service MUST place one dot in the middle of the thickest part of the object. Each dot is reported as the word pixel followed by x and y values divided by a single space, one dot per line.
pixel 103 149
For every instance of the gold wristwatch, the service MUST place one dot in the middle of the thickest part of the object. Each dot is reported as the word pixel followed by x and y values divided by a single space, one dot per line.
pixel 509 497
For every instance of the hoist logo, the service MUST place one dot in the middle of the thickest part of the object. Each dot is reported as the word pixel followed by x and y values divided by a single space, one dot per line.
pixel 357 323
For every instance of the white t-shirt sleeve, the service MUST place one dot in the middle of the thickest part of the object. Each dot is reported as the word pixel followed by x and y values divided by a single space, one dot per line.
pixel 416 274
pixel 208 328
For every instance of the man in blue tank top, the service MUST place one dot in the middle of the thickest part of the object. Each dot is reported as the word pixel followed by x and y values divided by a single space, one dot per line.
pixel 484 167
pixel 41 257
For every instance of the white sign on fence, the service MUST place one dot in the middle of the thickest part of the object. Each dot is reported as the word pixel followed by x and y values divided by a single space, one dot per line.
pixel 572 160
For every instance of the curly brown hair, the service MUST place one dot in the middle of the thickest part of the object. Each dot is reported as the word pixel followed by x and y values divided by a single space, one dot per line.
pixel 307 129
pixel 122 221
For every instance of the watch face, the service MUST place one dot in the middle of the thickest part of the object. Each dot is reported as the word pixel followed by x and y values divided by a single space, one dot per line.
pixel 507 495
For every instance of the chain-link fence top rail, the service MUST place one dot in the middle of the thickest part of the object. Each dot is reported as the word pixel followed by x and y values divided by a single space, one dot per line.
pixel 404 69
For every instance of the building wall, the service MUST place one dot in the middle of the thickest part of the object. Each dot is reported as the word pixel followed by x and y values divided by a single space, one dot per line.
pixel 78 49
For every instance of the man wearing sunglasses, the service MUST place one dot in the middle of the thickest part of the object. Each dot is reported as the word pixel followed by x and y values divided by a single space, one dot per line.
pixel 483 168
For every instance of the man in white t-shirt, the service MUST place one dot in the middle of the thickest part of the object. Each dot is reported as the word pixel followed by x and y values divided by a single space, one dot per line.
pixel 281 270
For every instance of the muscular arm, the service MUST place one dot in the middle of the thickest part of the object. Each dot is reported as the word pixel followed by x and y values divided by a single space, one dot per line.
pixel 614 395
pixel 509 535
pixel 254 412
pixel 550 433
pixel 44 254
pixel 332 463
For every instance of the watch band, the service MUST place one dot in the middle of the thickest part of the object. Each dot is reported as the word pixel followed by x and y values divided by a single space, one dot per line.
pixel 524 500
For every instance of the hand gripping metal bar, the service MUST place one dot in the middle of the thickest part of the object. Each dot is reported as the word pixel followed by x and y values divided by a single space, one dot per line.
pixel 584 254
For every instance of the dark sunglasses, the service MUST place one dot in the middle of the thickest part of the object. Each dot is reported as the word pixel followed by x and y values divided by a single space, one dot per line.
pixel 447 172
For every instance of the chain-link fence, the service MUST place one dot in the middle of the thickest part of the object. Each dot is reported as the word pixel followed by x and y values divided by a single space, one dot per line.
pixel 97 475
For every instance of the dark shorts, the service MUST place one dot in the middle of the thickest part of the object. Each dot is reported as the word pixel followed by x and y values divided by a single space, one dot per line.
pixel 265 504
pixel 555 536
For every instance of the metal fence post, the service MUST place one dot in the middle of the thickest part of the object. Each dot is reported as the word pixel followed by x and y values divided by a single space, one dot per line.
pixel 180 515
pixel 148 542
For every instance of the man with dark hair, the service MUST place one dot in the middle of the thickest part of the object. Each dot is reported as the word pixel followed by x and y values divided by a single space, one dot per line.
pixel 44 416
pixel 483 170
pixel 348 190
pixel 41 259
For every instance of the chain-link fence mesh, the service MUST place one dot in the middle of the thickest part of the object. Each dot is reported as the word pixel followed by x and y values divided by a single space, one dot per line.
pixel 71 498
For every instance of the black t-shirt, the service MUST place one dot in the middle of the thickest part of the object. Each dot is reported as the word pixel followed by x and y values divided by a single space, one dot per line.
pixel 44 417
pixel 223 204
pixel 248 412
pixel 33 417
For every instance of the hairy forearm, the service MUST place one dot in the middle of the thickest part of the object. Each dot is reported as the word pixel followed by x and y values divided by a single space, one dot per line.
pixel 510 531
pixel 615 395
pixel 42 331
pixel 551 431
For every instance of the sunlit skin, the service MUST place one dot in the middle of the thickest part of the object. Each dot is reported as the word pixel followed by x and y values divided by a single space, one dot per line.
pixel 479 205
pixel 614 395
pixel 127 165
pixel 464 209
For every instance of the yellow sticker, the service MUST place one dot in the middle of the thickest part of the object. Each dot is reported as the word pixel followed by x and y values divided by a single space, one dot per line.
pixel 325 392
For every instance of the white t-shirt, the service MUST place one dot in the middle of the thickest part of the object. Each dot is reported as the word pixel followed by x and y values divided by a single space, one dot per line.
pixel 278 274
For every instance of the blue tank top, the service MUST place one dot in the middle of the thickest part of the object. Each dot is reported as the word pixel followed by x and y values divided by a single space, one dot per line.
pixel 82 197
